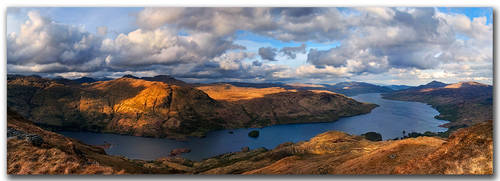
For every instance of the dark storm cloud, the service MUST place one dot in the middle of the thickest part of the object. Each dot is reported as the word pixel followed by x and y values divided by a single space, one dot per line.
pixel 268 53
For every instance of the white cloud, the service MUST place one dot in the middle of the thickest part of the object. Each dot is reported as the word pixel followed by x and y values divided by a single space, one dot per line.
pixel 201 43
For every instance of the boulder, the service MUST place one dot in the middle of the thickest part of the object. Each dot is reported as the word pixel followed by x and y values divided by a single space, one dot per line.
pixel 245 149
pixel 372 136
pixel 179 151
pixel 34 139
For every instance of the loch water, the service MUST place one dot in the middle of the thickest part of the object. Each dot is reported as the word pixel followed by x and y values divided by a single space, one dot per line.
pixel 390 118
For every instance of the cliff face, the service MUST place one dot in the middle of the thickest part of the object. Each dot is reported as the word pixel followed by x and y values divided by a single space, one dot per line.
pixel 134 106
pixel 463 104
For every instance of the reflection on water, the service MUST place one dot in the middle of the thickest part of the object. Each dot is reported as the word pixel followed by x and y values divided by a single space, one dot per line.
pixel 389 119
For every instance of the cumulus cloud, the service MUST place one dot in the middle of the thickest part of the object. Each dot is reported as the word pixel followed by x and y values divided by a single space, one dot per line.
pixel 257 63
pixel 198 43
pixel 291 52
pixel 286 24
pixel 268 53
pixel 162 46
pixel 419 38
pixel 47 46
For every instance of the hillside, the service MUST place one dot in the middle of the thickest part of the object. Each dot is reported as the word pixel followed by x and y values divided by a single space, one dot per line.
pixel 354 88
pixel 228 92
pixel 467 151
pixel 164 107
pixel 276 106
pixel 346 88
pixel 463 104
pixel 52 153
pixel 398 87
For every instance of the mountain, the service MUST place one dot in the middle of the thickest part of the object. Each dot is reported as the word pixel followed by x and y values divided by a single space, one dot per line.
pixel 463 104
pixel 255 107
pixel 134 106
pixel 166 79
pixel 398 87
pixel 85 80
pixel 354 88
pixel 331 152
pixel 346 88
pixel 430 85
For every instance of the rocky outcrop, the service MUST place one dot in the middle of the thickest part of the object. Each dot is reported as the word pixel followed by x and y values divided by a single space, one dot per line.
pixel 33 139
pixel 372 136
pixel 156 108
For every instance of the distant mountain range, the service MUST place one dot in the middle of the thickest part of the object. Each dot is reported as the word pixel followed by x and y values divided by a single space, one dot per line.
pixel 398 87
pixel 346 88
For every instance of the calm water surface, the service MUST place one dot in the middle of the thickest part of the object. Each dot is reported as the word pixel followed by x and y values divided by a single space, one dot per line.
pixel 389 119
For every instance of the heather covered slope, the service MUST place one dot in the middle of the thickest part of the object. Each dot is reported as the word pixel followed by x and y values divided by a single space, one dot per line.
pixel 467 151
pixel 257 107
pixel 53 153
pixel 463 104
pixel 124 105
pixel 134 106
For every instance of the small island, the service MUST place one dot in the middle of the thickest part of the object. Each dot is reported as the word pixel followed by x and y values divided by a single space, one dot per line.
pixel 253 134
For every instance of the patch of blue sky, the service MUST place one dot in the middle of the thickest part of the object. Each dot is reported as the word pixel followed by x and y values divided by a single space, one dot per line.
pixel 253 42
pixel 461 36
pixel 348 11
pixel 275 43
pixel 471 12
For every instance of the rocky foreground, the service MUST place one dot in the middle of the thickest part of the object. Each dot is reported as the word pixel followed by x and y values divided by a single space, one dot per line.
pixel 162 106
pixel 466 151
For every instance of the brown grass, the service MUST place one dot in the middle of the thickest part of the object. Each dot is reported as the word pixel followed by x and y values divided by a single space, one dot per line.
pixel 232 93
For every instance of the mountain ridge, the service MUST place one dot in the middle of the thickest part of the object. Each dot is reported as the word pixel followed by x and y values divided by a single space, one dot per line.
pixel 134 106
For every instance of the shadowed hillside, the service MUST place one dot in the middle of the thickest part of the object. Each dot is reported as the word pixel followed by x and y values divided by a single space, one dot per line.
pixel 164 107
pixel 463 104
pixel 52 153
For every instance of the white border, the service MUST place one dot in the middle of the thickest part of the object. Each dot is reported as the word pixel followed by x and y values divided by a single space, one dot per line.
pixel 226 3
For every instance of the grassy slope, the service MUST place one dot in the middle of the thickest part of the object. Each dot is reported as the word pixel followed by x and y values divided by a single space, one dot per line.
pixel 463 104
pixel 467 151
pixel 153 108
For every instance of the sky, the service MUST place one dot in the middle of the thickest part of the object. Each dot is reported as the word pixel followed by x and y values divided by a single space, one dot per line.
pixel 381 45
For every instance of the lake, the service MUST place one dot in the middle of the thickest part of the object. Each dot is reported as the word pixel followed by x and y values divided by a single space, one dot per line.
pixel 389 119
